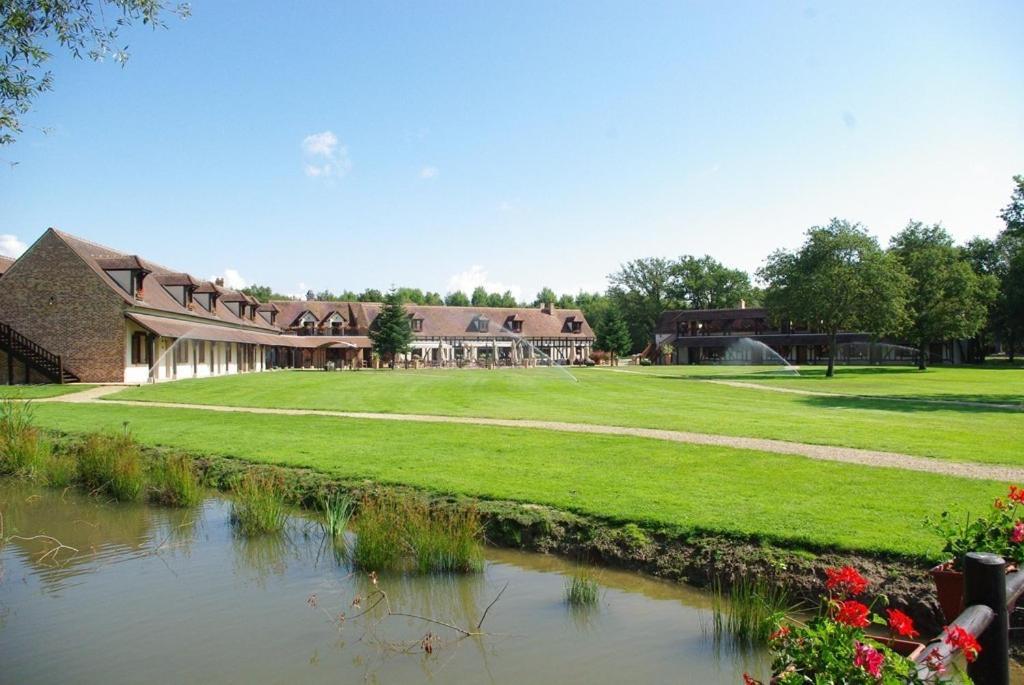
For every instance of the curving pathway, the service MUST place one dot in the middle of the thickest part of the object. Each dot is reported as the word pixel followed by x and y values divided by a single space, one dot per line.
pixel 850 455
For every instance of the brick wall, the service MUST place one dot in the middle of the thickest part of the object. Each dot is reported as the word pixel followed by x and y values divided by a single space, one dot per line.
pixel 85 323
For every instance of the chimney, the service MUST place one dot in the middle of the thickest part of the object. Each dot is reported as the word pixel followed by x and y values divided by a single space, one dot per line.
pixel 743 304
pixel 548 308
pixel 219 281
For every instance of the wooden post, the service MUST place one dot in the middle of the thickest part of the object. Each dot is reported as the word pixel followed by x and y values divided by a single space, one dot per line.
pixel 985 584
pixel 60 370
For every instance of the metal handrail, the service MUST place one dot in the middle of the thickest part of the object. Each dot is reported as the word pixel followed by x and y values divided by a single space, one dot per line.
pixel 48 362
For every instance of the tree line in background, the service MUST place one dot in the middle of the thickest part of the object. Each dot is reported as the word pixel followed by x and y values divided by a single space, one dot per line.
pixel 922 289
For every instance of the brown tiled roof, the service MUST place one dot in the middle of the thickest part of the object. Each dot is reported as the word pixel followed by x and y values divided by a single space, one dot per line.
pixel 121 263
pixel 155 298
pixel 5 264
pixel 448 322
pixel 176 279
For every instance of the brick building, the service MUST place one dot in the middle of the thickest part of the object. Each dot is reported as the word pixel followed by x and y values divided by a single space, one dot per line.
pixel 74 310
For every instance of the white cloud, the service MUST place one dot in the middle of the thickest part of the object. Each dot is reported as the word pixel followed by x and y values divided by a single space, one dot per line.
pixel 10 246
pixel 324 156
pixel 429 172
pixel 232 279
pixel 477 276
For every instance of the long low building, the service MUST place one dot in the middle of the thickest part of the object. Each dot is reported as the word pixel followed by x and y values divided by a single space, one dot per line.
pixel 747 336
pixel 74 310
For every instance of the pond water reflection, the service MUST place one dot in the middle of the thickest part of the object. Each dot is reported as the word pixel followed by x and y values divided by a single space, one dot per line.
pixel 173 596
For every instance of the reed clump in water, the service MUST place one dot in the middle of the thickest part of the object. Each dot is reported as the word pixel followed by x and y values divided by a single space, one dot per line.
pixel 174 482
pixel 23 451
pixel 407 535
pixel 112 464
pixel 581 589
pixel 258 506
pixel 750 612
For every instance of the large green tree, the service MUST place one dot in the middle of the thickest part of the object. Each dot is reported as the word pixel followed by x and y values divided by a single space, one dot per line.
pixel 946 299
pixel 706 283
pixel 456 299
pixel 84 28
pixel 839 280
pixel 640 290
pixel 391 331
pixel 611 335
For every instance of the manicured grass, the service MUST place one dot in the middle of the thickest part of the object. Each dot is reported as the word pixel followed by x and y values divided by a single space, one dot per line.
pixel 686 488
pixel 668 399
pixel 36 392
pixel 996 382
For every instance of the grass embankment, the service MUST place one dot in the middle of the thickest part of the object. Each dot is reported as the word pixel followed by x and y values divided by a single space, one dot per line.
pixel 602 396
pixel 685 489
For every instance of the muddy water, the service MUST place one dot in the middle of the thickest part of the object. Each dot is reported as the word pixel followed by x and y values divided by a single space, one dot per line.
pixel 156 595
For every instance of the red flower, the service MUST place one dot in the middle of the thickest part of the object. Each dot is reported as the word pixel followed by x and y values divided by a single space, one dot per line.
pixel 747 680
pixel 1017 494
pixel 869 659
pixel 845 580
pixel 853 614
pixel 933 660
pixel 1017 536
pixel 901 624
pixel 958 638
pixel 779 634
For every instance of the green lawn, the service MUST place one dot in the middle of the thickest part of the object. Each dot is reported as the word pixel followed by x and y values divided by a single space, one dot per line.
pixel 689 488
pixel 669 399
pixel 995 382
pixel 37 392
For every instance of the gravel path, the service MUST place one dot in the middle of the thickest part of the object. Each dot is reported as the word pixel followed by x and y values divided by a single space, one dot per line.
pixel 848 455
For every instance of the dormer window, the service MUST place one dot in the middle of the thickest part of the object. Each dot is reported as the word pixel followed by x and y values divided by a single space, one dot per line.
pixel 514 324
pixel 204 300
pixel 482 324
pixel 417 324
pixel 234 308
pixel 127 271
pixel 573 325
pixel 334 322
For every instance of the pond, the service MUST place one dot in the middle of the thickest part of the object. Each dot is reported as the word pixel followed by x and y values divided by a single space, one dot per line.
pixel 174 596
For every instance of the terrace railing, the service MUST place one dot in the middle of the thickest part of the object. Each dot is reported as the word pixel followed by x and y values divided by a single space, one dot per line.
pixel 990 593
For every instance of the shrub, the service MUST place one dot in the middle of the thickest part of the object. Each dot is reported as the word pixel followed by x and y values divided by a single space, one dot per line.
pixel 394 534
pixel 258 506
pixel 59 469
pixel 1000 531
pixel 581 589
pixel 174 483
pixel 22 448
pixel 112 464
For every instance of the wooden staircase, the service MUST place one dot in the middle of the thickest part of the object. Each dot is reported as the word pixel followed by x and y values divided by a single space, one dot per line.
pixel 17 346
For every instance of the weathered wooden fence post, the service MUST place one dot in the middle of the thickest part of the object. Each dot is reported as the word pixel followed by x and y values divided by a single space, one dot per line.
pixel 985 583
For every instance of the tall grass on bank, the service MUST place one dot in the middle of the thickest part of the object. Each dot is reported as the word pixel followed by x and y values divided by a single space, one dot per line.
pixel 750 612
pixel 258 506
pixel 581 589
pixel 23 451
pixel 406 534
pixel 174 482
pixel 112 464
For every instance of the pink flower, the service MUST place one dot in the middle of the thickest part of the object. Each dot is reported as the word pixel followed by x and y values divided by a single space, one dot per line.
pixel 869 659
pixel 1017 536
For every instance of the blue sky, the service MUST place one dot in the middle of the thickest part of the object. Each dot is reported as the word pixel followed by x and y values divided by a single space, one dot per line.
pixel 516 145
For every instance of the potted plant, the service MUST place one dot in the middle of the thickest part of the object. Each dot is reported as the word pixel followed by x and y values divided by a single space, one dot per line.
pixel 835 647
pixel 999 531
